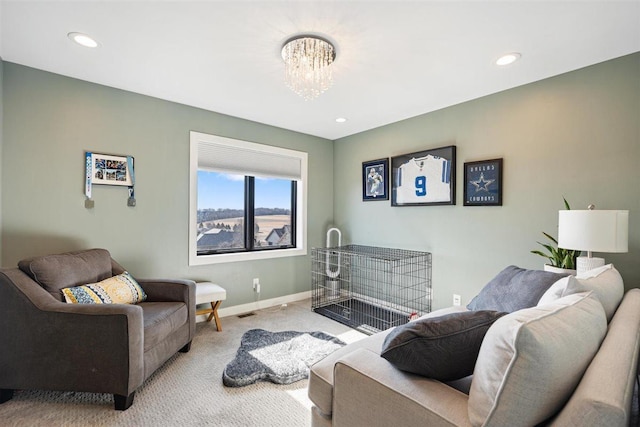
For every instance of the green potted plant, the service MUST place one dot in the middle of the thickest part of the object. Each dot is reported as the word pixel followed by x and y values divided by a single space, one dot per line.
pixel 560 260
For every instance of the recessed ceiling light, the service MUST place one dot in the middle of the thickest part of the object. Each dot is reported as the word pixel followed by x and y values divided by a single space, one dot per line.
pixel 509 58
pixel 341 120
pixel 82 39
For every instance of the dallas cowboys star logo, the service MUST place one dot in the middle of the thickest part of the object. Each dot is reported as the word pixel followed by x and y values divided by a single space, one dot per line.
pixel 482 184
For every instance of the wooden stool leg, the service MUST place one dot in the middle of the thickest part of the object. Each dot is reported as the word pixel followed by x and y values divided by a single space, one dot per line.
pixel 214 314
pixel 211 311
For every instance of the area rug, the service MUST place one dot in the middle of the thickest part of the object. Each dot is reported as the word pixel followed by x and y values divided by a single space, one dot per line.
pixel 279 357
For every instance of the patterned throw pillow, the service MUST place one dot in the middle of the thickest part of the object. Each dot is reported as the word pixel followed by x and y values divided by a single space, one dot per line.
pixel 120 289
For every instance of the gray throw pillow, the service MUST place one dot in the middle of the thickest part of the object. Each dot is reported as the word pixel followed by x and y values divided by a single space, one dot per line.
pixel 444 348
pixel 513 289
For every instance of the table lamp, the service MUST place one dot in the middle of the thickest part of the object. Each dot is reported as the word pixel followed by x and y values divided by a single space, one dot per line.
pixel 593 231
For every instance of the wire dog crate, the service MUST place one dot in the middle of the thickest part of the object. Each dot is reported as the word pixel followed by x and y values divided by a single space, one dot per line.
pixel 370 288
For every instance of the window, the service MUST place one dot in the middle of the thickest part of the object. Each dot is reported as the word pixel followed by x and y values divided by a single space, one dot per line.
pixel 247 200
pixel 230 205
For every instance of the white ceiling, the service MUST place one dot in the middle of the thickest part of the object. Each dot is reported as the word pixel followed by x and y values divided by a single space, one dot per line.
pixel 395 59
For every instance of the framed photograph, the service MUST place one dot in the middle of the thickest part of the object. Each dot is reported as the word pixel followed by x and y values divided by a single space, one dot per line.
pixel 110 170
pixel 483 183
pixel 424 178
pixel 375 178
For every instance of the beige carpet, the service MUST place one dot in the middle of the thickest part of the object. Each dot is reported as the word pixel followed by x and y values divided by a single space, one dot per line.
pixel 188 390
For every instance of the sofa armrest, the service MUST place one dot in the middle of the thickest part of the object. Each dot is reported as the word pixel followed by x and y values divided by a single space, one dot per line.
pixel 368 391
pixel 603 396
pixel 48 344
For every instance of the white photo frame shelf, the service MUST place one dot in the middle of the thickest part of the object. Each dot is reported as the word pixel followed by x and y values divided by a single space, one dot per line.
pixel 108 169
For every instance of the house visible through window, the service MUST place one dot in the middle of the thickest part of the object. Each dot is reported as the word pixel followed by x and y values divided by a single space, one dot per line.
pixel 220 212
pixel 247 200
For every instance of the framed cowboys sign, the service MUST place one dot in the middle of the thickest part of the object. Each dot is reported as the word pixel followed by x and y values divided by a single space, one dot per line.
pixel 483 183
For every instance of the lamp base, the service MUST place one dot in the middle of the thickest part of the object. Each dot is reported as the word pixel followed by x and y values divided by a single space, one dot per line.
pixel 585 264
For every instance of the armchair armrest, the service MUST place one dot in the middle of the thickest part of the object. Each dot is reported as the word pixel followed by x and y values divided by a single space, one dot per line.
pixel 169 290
pixel 158 290
pixel 368 390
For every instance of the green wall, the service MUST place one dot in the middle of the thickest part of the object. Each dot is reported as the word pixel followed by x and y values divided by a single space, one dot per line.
pixel 51 120
pixel 575 135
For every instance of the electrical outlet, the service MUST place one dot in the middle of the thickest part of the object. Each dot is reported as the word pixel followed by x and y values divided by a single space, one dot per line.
pixel 456 299
pixel 256 285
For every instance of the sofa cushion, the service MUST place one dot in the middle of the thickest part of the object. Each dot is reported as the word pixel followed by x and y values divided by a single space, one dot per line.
pixel 444 348
pixel 556 291
pixel 55 272
pixel 513 289
pixel 321 374
pixel 531 361
pixel 161 319
pixel 120 289
pixel 605 282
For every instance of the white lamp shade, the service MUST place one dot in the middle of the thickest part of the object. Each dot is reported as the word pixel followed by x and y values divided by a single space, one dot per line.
pixel 594 230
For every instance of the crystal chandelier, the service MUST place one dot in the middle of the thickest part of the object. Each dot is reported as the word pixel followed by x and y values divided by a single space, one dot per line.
pixel 308 62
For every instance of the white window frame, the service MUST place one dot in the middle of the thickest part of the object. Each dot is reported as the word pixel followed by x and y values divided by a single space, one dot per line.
pixel 301 202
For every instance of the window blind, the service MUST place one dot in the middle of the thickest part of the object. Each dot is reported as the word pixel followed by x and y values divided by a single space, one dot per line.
pixel 246 158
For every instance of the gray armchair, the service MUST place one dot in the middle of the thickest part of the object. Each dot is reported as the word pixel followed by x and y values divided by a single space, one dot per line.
pixel 47 344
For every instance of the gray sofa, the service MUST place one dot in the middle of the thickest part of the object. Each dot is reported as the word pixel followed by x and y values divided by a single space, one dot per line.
pixel 571 361
pixel 48 344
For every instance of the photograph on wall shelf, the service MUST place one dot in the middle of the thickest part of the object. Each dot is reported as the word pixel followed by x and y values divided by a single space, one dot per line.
pixel 483 183
pixel 424 178
pixel 110 170
pixel 375 178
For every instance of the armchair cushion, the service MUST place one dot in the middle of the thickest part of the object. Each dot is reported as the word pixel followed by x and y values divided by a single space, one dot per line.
pixel 55 272
pixel 120 289
pixel 161 319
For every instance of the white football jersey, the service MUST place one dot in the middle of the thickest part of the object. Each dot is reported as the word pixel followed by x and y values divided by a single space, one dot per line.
pixel 424 180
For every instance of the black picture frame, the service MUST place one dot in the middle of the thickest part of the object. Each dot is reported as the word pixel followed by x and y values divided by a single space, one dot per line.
pixel 424 178
pixel 483 183
pixel 375 180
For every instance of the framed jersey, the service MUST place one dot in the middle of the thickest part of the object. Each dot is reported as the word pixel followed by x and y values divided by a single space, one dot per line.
pixel 424 178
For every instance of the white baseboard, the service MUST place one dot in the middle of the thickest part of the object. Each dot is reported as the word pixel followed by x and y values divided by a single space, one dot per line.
pixel 258 305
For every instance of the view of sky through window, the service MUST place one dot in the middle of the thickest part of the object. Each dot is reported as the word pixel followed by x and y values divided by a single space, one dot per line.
pixel 222 190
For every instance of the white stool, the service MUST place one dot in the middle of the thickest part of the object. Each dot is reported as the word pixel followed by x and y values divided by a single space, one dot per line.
pixel 210 293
